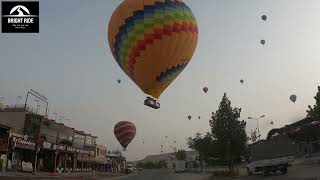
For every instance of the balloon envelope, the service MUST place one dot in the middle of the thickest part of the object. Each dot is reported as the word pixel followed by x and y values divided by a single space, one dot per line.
pixel 119 81
pixel 241 81
pixel 293 98
pixel 263 42
pixel 205 89
pixel 153 41
pixel 264 17
pixel 124 131
pixel 189 117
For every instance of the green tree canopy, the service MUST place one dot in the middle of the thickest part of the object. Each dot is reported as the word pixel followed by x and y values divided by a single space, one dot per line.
pixel 228 132
pixel 203 144
pixel 181 155
pixel 314 112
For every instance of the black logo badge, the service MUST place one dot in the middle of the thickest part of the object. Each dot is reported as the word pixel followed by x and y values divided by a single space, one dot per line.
pixel 20 16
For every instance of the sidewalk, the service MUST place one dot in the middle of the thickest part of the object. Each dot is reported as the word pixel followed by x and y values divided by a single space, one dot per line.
pixel 41 175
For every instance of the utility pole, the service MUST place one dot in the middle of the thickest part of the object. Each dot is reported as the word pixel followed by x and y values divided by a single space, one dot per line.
pixel 257 119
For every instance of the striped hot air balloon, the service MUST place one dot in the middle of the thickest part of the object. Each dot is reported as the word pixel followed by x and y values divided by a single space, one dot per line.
pixel 124 132
pixel 153 41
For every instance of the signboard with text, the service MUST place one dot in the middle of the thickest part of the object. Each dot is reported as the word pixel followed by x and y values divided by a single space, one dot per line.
pixel 23 143
pixel 56 147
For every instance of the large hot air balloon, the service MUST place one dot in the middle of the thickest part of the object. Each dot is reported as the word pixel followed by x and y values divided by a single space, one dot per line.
pixel 153 41
pixel 124 132
pixel 205 89
pixel 293 98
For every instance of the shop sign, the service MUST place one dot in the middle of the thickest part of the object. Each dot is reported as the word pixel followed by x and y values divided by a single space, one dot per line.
pixel 23 143
pixel 3 157
pixel 46 145
pixel 58 147
pixel 70 149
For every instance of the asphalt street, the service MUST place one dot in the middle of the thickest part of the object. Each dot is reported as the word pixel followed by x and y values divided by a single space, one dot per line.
pixel 163 175
pixel 294 173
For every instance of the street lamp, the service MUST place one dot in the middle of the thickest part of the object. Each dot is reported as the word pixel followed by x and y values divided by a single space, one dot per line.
pixel 18 98
pixel 257 119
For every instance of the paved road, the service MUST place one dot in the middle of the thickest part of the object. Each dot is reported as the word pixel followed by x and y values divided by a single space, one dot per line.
pixel 294 173
pixel 162 175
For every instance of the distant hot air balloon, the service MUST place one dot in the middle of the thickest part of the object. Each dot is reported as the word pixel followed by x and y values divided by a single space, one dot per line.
pixel 174 142
pixel 161 146
pixel 153 41
pixel 166 137
pixel 205 89
pixel 271 122
pixel 189 117
pixel 264 17
pixel 124 131
pixel 199 117
pixel 119 81
pixel 293 98
pixel 241 81
pixel 263 42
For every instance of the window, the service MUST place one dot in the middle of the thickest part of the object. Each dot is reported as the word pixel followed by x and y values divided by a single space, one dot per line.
pixel 32 126
pixel 89 141
pixel 49 131
pixel 65 136
pixel 78 140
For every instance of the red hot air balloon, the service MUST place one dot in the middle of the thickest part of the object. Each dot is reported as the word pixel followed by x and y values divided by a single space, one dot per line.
pixel 124 132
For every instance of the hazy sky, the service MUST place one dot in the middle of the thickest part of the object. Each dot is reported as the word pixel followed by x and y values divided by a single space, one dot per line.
pixel 70 62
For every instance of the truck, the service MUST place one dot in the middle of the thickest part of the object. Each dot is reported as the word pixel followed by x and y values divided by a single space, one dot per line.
pixel 180 166
pixel 271 155
pixel 270 165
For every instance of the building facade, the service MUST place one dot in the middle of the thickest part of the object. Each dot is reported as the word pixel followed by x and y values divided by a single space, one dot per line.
pixel 30 140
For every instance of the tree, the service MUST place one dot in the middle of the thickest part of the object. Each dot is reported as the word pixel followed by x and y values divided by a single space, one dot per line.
pixel 228 132
pixel 254 137
pixel 314 112
pixel 181 155
pixel 203 144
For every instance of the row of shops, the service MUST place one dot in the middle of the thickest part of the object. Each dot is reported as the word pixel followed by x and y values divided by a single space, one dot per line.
pixel 48 146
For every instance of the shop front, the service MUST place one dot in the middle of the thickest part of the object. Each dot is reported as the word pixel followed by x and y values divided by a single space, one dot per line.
pixel 22 154
pixel 4 145
pixel 60 158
